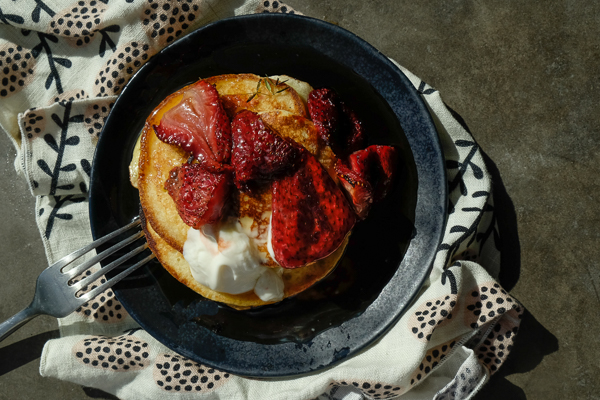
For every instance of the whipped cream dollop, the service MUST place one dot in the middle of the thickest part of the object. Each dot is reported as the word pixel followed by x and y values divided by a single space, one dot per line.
pixel 225 259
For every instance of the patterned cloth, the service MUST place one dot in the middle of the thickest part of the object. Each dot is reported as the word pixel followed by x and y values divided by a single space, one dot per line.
pixel 61 69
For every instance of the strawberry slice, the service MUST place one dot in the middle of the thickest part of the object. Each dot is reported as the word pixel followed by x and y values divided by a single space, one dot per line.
pixel 338 125
pixel 357 188
pixel 259 154
pixel 355 138
pixel 323 107
pixel 199 125
pixel 310 215
pixel 377 165
pixel 201 196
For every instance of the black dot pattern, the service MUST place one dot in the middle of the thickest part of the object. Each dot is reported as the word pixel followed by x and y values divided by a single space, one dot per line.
pixel 430 315
pixel 71 95
pixel 174 373
pixel 432 359
pixel 16 69
pixel 121 353
pixel 103 308
pixel 464 384
pixel 486 303
pixel 95 116
pixel 164 21
pixel 33 123
pixel 120 67
pixel 269 6
pixel 372 390
pixel 494 349
pixel 79 21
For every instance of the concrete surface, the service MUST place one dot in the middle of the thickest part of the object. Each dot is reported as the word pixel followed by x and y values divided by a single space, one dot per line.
pixel 525 77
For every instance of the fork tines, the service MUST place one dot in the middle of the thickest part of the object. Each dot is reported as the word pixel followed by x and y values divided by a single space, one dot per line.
pixel 68 274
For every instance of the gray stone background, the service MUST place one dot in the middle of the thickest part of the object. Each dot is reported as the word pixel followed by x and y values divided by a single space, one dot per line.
pixel 525 77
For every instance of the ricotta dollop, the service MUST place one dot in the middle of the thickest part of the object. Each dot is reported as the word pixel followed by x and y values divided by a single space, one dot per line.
pixel 225 259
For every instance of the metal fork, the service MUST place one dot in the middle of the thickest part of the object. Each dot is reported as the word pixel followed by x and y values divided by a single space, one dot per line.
pixel 56 293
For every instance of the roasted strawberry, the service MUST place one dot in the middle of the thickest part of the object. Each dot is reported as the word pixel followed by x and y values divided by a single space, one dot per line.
pixel 357 188
pixel 377 165
pixel 338 125
pixel 323 107
pixel 310 215
pixel 201 196
pixel 199 125
pixel 354 138
pixel 258 153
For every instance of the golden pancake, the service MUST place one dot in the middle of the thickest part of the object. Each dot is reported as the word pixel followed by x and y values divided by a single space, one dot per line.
pixel 280 107
pixel 251 92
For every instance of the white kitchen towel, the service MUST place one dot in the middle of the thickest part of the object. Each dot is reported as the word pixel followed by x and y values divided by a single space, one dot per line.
pixel 61 69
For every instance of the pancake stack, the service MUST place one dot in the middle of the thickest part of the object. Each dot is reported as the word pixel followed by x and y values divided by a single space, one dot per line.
pixel 280 101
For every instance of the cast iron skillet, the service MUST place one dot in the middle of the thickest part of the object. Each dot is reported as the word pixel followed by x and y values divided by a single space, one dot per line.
pixel 390 254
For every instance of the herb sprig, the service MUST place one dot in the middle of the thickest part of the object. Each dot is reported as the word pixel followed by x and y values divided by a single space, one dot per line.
pixel 268 84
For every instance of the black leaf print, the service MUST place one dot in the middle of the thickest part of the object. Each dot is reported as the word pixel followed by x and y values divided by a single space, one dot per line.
pixel 422 89
pixel 44 166
pixel 76 118
pixel 72 141
pixel 458 228
pixel 480 193
pixel 87 167
pixel 450 276
pixel 465 143
pixel 49 81
pixel 63 61
pixel 36 50
pixel 54 76
pixel 5 18
pixel 470 232
pixel 64 216
pixel 102 50
pixel 68 168
pixel 471 209
pixel 66 187
pixel 106 39
pixel 82 187
pixel 463 187
pixel 463 166
pixel 49 139
pixel 57 121
pixel 477 172
pixel 54 214
pixel 59 147
pixel 444 246
pixel 40 5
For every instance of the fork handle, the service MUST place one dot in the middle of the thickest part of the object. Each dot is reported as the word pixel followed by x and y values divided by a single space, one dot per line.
pixel 16 321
